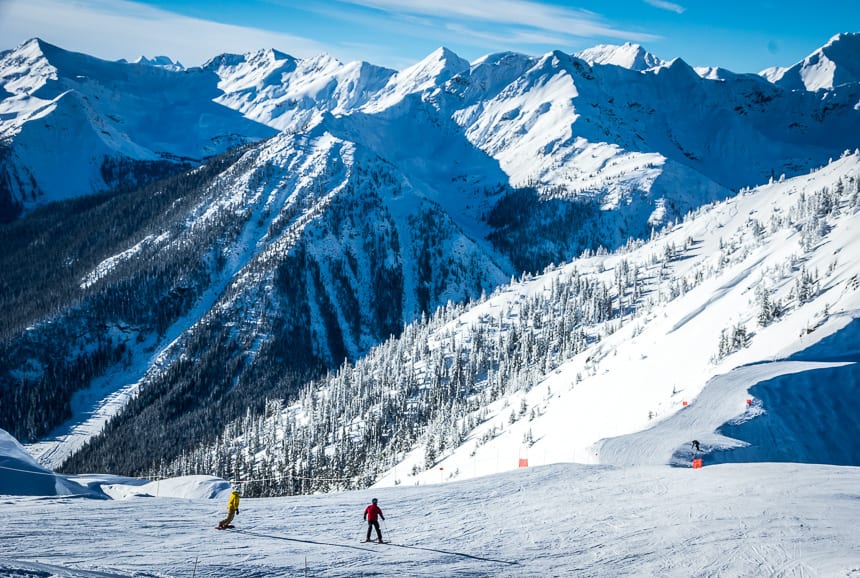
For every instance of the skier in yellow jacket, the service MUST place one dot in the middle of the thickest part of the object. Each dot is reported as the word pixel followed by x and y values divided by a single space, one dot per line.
pixel 232 509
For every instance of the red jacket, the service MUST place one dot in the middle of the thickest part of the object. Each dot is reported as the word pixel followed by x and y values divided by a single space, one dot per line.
pixel 371 512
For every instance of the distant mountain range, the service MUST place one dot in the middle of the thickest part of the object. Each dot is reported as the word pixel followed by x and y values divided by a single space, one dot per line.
pixel 225 234
pixel 71 124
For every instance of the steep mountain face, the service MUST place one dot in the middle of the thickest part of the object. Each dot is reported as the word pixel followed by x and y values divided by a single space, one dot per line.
pixel 616 134
pixel 300 253
pixel 834 64
pixel 71 124
pixel 381 197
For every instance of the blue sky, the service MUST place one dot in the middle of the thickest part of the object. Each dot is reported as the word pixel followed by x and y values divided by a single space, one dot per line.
pixel 743 36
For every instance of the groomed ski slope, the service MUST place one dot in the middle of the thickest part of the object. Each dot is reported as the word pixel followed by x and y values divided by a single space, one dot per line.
pixel 561 520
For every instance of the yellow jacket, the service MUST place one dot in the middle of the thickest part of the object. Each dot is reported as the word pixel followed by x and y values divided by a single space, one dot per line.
pixel 233 504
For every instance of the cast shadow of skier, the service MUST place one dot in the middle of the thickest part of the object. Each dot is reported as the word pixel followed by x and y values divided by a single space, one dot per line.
pixel 461 554
pixel 340 545
pixel 316 542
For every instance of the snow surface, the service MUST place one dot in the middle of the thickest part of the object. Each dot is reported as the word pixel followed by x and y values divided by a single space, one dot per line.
pixel 603 494
pixel 766 519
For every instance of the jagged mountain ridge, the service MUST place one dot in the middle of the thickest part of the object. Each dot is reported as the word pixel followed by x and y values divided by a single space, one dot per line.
pixel 544 119
pixel 575 130
pixel 74 125
pixel 367 212
pixel 291 94
pixel 833 64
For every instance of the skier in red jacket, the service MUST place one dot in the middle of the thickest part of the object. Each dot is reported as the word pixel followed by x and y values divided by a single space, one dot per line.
pixel 370 514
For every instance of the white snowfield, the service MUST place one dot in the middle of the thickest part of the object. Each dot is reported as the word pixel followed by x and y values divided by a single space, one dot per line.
pixel 562 520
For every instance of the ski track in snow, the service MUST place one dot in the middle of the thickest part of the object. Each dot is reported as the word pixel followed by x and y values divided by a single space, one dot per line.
pixel 719 294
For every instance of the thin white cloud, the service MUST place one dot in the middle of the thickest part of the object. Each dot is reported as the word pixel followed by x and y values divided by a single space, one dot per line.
pixel 663 5
pixel 509 13
pixel 507 38
pixel 114 29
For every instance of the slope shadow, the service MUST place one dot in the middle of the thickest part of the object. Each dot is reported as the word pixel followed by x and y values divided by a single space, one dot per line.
pixel 461 554
pixel 810 416
pixel 315 542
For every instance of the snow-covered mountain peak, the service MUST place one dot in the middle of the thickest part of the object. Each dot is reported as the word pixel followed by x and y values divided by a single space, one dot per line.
pixel 288 93
pixel 438 67
pixel 27 68
pixel 835 63
pixel 159 62
pixel 553 63
pixel 677 70
pixel 433 71
pixel 627 55
pixel 443 61
pixel 713 72
pixel 555 58
pixel 34 49
pixel 487 76
pixel 322 61
pixel 499 59
pixel 251 70
pixel 96 114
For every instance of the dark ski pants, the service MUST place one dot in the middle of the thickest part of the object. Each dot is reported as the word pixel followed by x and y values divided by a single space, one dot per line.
pixel 374 524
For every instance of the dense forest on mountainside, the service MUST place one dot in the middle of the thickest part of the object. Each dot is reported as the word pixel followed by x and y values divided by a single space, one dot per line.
pixel 58 329
pixel 430 387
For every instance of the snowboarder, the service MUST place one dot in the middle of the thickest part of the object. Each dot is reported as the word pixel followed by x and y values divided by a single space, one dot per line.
pixel 232 508
pixel 695 446
pixel 370 514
